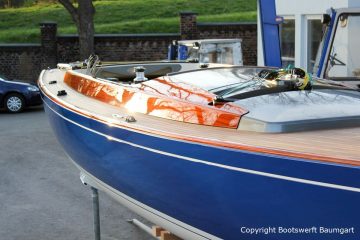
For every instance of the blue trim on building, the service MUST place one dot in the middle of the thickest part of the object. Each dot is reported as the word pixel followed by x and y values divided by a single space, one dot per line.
pixel 270 33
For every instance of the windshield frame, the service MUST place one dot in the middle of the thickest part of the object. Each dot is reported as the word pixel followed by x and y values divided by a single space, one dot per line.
pixel 328 53
pixel 327 41
pixel 320 50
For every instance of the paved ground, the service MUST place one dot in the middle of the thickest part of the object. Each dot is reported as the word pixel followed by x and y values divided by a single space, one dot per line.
pixel 41 196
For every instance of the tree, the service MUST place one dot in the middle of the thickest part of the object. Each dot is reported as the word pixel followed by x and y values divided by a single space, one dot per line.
pixel 83 17
pixel 11 3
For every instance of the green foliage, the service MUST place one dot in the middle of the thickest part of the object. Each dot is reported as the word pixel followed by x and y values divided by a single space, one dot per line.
pixel 23 3
pixel 121 16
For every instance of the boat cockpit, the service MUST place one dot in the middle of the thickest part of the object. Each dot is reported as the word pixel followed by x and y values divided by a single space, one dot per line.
pixel 266 99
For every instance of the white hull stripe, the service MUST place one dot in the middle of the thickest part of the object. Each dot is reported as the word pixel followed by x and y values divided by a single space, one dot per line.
pixel 244 170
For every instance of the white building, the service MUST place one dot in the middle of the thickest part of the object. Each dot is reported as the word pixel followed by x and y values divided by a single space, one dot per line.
pixel 302 30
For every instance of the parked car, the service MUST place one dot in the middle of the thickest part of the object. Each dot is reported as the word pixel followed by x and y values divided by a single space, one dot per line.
pixel 15 96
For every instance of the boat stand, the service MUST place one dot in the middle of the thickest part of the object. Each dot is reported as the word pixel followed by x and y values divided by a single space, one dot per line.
pixel 154 231
pixel 96 213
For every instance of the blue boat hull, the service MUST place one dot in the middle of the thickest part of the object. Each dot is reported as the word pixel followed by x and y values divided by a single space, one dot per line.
pixel 225 192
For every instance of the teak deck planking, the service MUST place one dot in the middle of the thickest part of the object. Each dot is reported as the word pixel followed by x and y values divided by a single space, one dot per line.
pixel 342 144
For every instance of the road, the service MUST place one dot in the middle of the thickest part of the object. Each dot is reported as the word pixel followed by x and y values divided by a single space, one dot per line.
pixel 41 196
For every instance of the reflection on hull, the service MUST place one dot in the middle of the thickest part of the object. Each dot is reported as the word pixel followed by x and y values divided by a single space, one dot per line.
pixel 203 187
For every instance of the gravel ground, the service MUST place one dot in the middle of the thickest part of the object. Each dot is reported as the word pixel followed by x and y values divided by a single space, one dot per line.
pixel 41 196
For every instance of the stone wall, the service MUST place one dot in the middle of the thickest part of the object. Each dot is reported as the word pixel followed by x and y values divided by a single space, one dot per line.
pixel 119 47
pixel 25 61
pixel 21 61
pixel 188 25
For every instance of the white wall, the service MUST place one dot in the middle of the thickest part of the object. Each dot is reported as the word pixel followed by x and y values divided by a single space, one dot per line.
pixel 308 7
pixel 301 11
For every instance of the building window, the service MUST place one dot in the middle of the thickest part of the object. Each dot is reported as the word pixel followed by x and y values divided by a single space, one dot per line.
pixel 314 39
pixel 287 40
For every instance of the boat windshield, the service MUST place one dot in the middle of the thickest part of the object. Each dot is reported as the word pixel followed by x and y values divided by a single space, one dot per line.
pixel 219 79
pixel 233 83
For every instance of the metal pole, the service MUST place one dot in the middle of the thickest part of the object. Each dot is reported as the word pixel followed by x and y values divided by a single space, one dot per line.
pixel 96 212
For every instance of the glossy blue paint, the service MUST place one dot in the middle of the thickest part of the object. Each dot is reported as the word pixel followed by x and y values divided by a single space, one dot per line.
pixel 182 52
pixel 270 33
pixel 216 200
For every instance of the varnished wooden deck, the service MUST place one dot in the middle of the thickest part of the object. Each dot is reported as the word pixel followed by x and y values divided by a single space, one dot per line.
pixel 336 145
